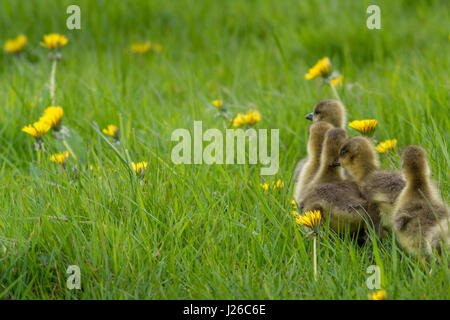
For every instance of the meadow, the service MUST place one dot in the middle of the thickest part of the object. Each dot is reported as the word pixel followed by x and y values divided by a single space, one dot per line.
pixel 205 231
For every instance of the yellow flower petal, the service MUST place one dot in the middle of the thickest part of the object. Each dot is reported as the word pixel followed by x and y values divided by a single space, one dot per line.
pixel 321 68
pixel 139 167
pixel 54 41
pixel 111 130
pixel 60 158
pixel 239 120
pixel 250 118
pixel 265 186
pixel 53 116
pixel 37 130
pixel 15 45
pixel 364 126
pixel 337 81
pixel 378 295
pixel 278 185
pixel 386 146
pixel 217 103
pixel 310 219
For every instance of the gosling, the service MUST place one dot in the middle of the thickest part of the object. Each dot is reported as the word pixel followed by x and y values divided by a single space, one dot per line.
pixel 316 136
pixel 338 200
pixel 421 218
pixel 329 110
pixel 381 188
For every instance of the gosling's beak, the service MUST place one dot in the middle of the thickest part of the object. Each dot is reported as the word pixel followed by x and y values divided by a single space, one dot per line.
pixel 309 116
pixel 336 163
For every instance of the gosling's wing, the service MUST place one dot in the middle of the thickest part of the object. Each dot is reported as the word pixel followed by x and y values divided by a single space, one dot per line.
pixel 384 186
pixel 343 195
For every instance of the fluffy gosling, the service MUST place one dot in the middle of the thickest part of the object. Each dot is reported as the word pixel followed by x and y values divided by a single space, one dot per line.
pixel 381 188
pixel 316 136
pixel 421 218
pixel 329 110
pixel 338 200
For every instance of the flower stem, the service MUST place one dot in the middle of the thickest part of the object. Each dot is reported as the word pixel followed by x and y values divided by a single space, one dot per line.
pixel 315 257
pixel 336 94
pixel 52 82
pixel 69 149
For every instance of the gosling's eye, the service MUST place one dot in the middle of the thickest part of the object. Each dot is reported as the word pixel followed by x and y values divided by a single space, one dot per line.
pixel 317 112
pixel 343 152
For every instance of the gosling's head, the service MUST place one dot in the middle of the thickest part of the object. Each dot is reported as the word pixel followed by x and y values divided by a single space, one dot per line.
pixel 414 163
pixel 317 133
pixel 329 110
pixel 334 138
pixel 358 155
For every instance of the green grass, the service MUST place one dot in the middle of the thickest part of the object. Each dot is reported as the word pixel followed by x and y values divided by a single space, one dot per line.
pixel 218 235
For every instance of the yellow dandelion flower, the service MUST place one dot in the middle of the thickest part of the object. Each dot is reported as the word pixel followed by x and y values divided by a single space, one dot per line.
pixel 140 47
pixel 37 130
pixel 364 126
pixel 321 68
pixel 278 185
pixel 60 157
pixel 252 117
pixel 112 131
pixel 337 81
pixel 265 186
pixel 139 167
pixel 310 219
pixel 378 295
pixel 53 116
pixel 217 103
pixel 54 41
pixel 15 45
pixel 386 146
pixel 294 204
pixel 239 120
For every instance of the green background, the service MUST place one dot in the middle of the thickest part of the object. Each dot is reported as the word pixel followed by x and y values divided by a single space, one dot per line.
pixel 199 231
